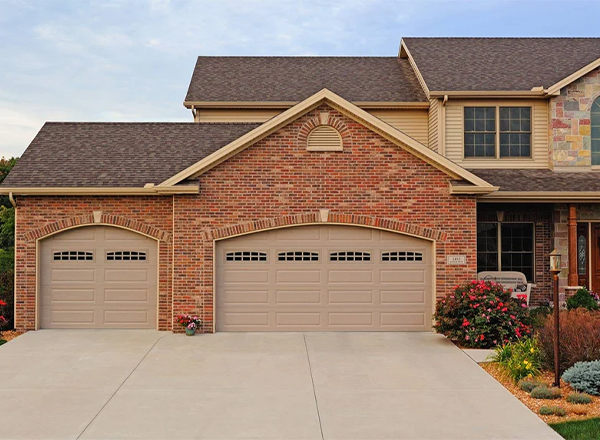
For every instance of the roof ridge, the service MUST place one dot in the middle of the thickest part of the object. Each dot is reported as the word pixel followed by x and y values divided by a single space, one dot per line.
pixel 144 123
pixel 502 38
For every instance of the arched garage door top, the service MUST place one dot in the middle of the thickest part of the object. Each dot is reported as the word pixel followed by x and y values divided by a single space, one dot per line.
pixel 324 278
pixel 98 277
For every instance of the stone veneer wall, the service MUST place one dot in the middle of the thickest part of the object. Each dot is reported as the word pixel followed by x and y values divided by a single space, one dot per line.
pixel 570 122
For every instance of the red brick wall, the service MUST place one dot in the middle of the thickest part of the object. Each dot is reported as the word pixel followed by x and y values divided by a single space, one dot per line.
pixel 274 182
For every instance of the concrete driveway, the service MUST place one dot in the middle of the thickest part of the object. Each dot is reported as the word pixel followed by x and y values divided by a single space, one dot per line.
pixel 151 385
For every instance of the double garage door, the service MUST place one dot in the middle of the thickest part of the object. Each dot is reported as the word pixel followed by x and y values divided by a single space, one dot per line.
pixel 98 277
pixel 324 278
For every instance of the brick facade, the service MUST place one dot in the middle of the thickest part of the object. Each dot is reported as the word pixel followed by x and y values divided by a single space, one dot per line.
pixel 570 122
pixel 273 183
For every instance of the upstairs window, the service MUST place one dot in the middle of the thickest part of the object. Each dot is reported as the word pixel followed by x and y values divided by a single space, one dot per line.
pixel 595 122
pixel 497 132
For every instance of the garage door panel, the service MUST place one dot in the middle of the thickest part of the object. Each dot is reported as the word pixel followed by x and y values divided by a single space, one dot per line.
pixel 326 277
pixel 246 297
pixel 98 293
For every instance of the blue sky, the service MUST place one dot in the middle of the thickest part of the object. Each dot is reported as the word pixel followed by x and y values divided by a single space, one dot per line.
pixel 131 60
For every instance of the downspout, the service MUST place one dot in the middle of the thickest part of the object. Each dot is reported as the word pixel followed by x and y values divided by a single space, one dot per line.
pixel 12 199
pixel 443 127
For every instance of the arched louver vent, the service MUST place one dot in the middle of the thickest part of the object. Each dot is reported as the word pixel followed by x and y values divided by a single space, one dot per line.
pixel 324 138
pixel 246 256
pixel 350 256
pixel 402 256
pixel 298 256
pixel 73 256
pixel 126 256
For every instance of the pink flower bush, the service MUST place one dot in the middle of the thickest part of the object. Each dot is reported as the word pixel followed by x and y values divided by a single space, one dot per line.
pixel 481 314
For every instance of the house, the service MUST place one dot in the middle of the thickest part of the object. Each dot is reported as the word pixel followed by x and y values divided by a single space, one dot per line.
pixel 318 193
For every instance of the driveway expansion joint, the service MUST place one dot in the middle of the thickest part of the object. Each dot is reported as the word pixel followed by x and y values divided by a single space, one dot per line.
pixel 313 386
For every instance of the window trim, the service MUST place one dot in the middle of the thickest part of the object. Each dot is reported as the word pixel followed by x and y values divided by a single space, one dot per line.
pixel 499 238
pixel 497 134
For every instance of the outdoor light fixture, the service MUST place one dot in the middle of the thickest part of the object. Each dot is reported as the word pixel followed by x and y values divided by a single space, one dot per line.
pixel 555 262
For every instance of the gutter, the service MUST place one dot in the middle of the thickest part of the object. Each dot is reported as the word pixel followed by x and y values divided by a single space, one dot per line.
pixel 197 105
pixel 541 196
pixel 113 191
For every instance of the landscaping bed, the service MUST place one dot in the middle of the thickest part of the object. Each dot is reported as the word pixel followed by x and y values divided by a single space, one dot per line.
pixel 8 335
pixel 574 412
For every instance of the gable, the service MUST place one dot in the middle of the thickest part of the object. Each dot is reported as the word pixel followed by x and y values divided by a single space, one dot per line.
pixel 346 108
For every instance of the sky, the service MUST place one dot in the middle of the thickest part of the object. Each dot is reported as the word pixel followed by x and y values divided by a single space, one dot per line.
pixel 131 60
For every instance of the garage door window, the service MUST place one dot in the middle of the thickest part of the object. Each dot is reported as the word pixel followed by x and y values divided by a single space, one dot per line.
pixel 350 256
pixel 401 256
pixel 298 256
pixel 73 256
pixel 246 256
pixel 126 256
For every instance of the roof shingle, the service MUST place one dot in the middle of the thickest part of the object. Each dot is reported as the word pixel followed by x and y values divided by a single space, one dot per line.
pixel 66 154
pixel 539 180
pixel 499 64
pixel 293 79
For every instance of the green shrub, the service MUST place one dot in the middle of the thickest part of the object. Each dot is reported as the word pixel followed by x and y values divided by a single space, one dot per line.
pixel 585 299
pixel 579 398
pixel 481 314
pixel 543 392
pixel 539 315
pixel 519 359
pixel 553 411
pixel 579 338
pixel 584 377
pixel 529 384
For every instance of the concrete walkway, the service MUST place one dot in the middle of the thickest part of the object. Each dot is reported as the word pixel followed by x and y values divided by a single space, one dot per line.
pixel 150 385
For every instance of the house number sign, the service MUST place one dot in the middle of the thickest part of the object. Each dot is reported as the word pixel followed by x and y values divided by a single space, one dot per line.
pixel 456 259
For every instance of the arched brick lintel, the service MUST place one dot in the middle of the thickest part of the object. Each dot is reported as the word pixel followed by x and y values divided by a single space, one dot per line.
pixel 105 219
pixel 315 218
pixel 323 118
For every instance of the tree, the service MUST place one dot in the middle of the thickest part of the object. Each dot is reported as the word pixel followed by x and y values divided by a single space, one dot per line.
pixel 7 251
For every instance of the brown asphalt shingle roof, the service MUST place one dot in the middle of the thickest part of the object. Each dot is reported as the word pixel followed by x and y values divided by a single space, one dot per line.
pixel 66 154
pixel 386 79
pixel 540 180
pixel 483 64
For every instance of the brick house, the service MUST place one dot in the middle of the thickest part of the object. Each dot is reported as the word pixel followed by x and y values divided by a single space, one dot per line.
pixel 318 193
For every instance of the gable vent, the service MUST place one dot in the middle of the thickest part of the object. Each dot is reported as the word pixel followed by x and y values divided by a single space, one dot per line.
pixel 324 138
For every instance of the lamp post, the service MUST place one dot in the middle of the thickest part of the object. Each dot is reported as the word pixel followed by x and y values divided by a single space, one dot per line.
pixel 555 262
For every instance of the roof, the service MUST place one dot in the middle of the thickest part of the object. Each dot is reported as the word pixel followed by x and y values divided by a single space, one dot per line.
pixel 543 180
pixel 292 79
pixel 83 154
pixel 499 64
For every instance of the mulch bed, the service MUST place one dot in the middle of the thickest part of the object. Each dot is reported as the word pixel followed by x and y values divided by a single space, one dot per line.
pixel 7 335
pixel 574 412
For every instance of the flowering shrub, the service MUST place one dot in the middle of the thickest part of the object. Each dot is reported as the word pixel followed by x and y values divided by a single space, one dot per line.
pixel 481 314
pixel 519 359
pixel 584 298
pixel 189 322
pixel 3 320
pixel 579 338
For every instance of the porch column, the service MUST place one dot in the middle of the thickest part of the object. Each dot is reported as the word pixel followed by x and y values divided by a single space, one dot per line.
pixel 572 222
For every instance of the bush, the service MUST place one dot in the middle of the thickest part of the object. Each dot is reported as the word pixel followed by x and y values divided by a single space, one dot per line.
pixel 481 314
pixel 543 392
pixel 583 299
pixel 553 411
pixel 538 316
pixel 579 338
pixel 579 398
pixel 584 377
pixel 580 410
pixel 519 359
pixel 529 384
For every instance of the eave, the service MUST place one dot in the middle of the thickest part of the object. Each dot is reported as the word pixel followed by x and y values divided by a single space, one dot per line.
pixel 541 196
pixel 540 94
pixel 472 189
pixel 153 190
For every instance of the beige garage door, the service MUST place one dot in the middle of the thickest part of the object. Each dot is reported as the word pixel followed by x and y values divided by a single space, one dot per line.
pixel 98 277
pixel 324 278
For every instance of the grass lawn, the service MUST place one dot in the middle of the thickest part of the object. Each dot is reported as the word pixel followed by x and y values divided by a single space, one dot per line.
pixel 579 429
pixel 2 341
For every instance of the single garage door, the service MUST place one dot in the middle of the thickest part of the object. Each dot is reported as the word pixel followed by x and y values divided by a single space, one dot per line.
pixel 98 277
pixel 324 278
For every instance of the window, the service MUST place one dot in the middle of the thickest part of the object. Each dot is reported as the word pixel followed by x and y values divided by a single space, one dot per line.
pixel 246 256
pixel 350 256
pixel 480 131
pixel 505 246
pixel 581 254
pixel 298 256
pixel 595 122
pixel 126 256
pixel 401 256
pixel 486 128
pixel 73 256
pixel 515 132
